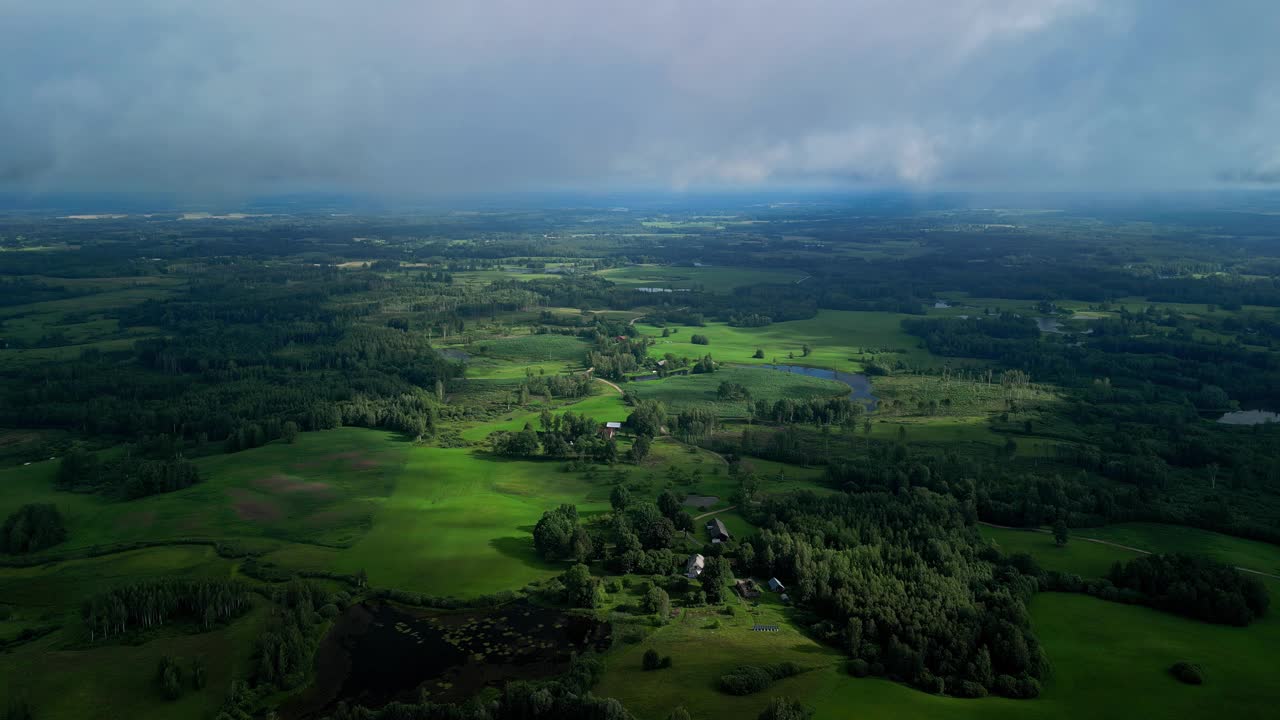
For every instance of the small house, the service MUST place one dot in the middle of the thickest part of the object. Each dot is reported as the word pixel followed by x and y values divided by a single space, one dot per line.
pixel 610 429
pixel 717 530
pixel 693 568
pixel 776 586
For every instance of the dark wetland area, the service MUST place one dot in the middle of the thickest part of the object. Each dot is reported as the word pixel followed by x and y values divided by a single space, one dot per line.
pixel 380 652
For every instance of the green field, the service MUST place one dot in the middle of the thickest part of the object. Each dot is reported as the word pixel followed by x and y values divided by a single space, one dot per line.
pixel 1092 559
pixel 1110 661
pixel 1078 556
pixel 320 490
pixel 1176 538
pixel 682 392
pixel 710 279
pixel 838 339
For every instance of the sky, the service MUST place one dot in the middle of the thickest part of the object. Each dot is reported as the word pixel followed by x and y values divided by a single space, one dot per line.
pixel 492 95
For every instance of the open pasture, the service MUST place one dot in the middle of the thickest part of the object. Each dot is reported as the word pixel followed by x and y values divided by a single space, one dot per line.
pixel 682 392
pixel 714 279
pixel 838 339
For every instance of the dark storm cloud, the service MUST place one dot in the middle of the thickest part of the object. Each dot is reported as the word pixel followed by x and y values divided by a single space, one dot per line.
pixel 405 96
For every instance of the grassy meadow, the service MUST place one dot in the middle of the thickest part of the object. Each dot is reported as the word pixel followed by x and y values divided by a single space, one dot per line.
pixel 838 339
pixel 682 392
pixel 710 279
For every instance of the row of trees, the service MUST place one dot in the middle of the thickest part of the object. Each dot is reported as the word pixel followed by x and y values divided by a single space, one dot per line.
pixel 151 603
pixel 1193 586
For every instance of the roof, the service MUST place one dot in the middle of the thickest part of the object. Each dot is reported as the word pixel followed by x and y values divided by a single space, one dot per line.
pixel 614 425
pixel 716 526
pixel 775 584
pixel 694 567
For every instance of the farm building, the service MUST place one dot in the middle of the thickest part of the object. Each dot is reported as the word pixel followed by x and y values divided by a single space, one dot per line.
pixel 747 588
pixel 693 568
pixel 776 586
pixel 610 429
pixel 717 530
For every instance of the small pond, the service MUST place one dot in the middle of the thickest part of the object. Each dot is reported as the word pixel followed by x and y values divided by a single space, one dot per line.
pixel 377 653
pixel 1053 325
pixel 700 501
pixel 455 355
pixel 1249 417
pixel 859 385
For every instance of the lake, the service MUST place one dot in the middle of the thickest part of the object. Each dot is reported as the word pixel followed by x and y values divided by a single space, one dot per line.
pixel 859 385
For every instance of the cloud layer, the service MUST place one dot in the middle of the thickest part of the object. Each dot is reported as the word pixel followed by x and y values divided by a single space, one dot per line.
pixel 426 96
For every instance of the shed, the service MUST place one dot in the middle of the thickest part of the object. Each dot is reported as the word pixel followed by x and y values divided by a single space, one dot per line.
pixel 693 568
pixel 610 429
pixel 776 586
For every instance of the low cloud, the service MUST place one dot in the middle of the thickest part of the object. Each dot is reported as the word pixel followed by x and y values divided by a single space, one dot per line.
pixel 409 96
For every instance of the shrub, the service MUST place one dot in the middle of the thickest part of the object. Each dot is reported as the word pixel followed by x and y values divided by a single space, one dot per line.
pixel 169 678
pixel 1023 687
pixel 747 679
pixel 781 708
pixel 651 660
pixel 858 667
pixel 1188 673
pixel 32 528
pixel 198 674
pixel 699 339
pixel 329 611
pixel 969 689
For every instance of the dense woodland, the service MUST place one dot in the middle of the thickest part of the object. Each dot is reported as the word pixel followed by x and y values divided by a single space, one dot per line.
pixel 188 339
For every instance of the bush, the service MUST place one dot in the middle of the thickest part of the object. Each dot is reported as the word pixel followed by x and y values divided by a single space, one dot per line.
pixel 969 689
pixel 1021 688
pixel 931 683
pixel 32 528
pixel 858 667
pixel 169 678
pixel 699 339
pixel 198 674
pixel 781 708
pixel 651 661
pixel 329 611
pixel 747 679
pixel 1188 673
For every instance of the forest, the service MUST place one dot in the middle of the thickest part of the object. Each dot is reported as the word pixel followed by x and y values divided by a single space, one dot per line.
pixel 846 458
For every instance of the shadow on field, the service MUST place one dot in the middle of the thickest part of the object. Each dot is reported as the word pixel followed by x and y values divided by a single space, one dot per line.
pixel 521 548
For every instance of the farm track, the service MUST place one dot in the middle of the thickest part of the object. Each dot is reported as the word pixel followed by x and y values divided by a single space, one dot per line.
pixel 713 512
pixel 1130 548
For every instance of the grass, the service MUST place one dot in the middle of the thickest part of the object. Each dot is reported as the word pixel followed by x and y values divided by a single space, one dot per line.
pixel 1078 556
pixel 532 348
pixel 838 339
pixel 1175 538
pixel 320 490
pixel 711 279
pixel 701 655
pixel 1090 559
pixel 116 681
pixel 458 523
pixel 683 392
pixel 1110 661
